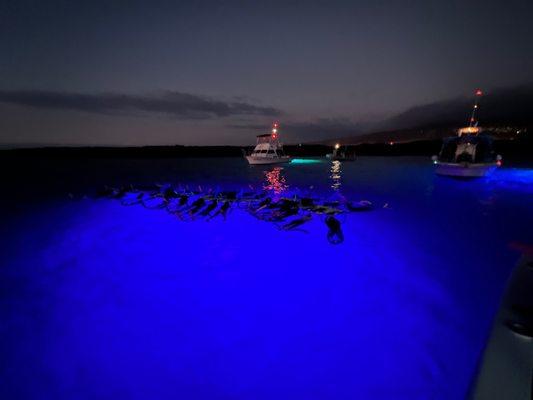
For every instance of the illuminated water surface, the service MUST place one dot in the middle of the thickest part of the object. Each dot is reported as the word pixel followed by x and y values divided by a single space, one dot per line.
pixel 103 301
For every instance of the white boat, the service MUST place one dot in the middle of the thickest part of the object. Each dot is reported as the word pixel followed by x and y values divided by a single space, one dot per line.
pixel 268 149
pixel 469 154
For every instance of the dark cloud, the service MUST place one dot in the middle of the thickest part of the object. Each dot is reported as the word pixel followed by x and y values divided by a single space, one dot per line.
pixel 176 104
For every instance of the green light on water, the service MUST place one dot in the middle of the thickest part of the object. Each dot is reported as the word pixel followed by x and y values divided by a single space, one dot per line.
pixel 305 161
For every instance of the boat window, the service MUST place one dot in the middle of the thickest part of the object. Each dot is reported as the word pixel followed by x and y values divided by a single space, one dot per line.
pixel 271 152
pixel 447 153
pixel 263 151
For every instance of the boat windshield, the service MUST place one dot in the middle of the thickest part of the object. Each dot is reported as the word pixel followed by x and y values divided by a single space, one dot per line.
pixel 474 149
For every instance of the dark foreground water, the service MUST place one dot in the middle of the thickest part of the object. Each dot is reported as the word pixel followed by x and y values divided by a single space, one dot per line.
pixel 104 301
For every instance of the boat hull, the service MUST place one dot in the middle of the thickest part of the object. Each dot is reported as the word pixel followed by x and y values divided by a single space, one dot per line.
pixel 465 170
pixel 266 161
pixel 509 343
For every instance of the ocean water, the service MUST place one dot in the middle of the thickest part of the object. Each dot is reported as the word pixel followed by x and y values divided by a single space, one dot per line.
pixel 104 301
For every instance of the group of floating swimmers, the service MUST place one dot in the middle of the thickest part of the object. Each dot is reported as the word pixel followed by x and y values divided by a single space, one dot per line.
pixel 287 213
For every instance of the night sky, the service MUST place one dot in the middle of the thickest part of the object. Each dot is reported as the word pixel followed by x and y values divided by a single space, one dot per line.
pixel 138 73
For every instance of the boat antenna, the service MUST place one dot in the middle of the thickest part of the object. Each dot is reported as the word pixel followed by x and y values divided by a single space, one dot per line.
pixel 473 121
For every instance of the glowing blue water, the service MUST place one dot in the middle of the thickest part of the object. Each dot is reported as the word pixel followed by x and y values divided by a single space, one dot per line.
pixel 102 301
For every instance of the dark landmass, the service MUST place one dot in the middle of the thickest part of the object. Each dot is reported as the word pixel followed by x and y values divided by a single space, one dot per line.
pixel 124 152
pixel 502 111
pixel 504 132
pixel 509 106
pixel 519 148
pixel 516 150
pixel 311 150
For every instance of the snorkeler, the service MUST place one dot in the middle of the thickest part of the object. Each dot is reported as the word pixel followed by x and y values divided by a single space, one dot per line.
pixel 363 205
pixel 154 201
pixel 323 209
pixel 132 198
pixel 307 203
pixel 196 206
pixel 278 211
pixel 222 210
pixel 176 206
pixel 296 223
pixel 210 207
pixel 170 193
pixel 230 195
pixel 335 235
pixel 262 205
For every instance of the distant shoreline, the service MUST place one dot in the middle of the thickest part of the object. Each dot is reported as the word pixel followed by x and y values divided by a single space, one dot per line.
pixel 510 149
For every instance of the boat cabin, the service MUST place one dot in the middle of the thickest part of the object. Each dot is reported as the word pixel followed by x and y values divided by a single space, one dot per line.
pixel 469 147
pixel 268 146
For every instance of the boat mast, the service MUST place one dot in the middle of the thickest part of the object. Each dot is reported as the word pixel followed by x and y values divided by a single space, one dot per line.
pixel 473 121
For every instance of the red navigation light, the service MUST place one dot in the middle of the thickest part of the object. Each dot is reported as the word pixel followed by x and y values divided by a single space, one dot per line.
pixel 499 163
pixel 274 136
pixel 479 92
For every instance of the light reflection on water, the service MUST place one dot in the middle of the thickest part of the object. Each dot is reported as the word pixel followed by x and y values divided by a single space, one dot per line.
pixel 336 175
pixel 275 181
